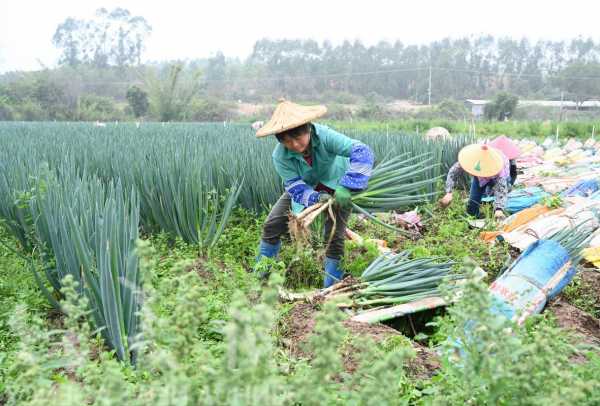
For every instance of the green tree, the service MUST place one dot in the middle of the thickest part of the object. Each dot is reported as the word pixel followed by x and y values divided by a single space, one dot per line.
pixel 452 109
pixel 581 80
pixel 92 107
pixel 170 95
pixel 138 100
pixel 110 38
pixel 6 111
pixel 216 72
pixel 502 107
pixel 51 97
pixel 70 36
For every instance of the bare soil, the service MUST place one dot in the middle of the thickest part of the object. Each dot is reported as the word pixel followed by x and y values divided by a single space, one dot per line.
pixel 259 109
pixel 578 320
pixel 405 106
pixel 249 109
pixel 575 320
pixel 300 324
pixel 199 267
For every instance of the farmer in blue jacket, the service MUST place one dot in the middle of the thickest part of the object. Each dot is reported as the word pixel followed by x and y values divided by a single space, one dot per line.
pixel 314 163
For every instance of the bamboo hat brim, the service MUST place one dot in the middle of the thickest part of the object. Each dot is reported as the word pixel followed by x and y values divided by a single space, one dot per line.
pixel 481 160
pixel 507 146
pixel 289 115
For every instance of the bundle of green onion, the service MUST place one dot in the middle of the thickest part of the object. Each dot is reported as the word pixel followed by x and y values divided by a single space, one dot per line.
pixel 397 183
pixel 574 240
pixel 395 278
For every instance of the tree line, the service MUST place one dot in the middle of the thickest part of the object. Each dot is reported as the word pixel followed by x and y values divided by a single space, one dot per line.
pixel 101 74
pixel 476 67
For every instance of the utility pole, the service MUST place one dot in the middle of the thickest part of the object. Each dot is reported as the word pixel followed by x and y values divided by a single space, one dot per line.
pixel 562 96
pixel 429 90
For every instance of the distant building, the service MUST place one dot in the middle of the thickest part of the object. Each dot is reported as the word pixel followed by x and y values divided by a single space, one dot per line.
pixel 477 106
pixel 590 105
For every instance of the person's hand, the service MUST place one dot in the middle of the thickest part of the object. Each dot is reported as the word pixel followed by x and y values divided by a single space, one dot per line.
pixel 324 196
pixel 499 215
pixel 343 197
pixel 445 201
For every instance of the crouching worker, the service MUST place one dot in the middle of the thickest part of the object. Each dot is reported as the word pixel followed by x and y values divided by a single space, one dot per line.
pixel 489 168
pixel 314 163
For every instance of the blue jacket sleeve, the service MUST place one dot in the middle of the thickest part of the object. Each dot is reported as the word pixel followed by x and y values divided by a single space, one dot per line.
pixel 300 192
pixel 360 168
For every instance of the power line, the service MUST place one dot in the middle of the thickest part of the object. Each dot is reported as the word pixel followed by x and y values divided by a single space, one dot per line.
pixel 373 72
pixel 526 75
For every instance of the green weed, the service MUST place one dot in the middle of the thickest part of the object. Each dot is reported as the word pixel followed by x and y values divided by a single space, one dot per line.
pixel 488 360
pixel 582 295
pixel 449 235
pixel 17 286
pixel 358 256
pixel 177 365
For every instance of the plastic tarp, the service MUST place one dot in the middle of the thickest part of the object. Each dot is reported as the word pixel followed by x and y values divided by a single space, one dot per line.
pixel 538 275
pixel 523 198
pixel 582 188
pixel 595 239
pixel 520 199
pixel 595 195
pixel 592 254
pixel 553 154
pixel 517 220
pixel 529 161
pixel 545 226
pixel 548 142
pixel 572 145
pixel 558 184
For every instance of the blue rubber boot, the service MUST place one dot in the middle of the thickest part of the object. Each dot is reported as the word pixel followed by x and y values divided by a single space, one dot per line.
pixel 333 273
pixel 269 251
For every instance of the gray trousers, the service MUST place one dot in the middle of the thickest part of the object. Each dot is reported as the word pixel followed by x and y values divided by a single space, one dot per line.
pixel 277 224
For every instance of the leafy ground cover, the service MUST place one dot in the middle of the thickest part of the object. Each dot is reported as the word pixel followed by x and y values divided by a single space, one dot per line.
pixel 214 334
pixel 17 285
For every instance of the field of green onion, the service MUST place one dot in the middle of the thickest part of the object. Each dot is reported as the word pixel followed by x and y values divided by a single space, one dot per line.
pixel 79 196
pixel 93 224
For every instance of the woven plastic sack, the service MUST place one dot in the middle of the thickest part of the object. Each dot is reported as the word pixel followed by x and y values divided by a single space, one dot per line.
pixel 538 275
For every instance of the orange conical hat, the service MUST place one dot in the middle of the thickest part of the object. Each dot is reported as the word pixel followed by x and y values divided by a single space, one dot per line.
pixel 290 115
pixel 481 160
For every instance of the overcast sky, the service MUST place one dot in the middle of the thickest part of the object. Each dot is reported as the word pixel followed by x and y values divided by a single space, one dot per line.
pixel 195 29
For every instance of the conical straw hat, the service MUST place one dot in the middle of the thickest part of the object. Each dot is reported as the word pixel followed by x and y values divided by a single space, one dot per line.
pixel 507 146
pixel 437 132
pixel 288 115
pixel 481 160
